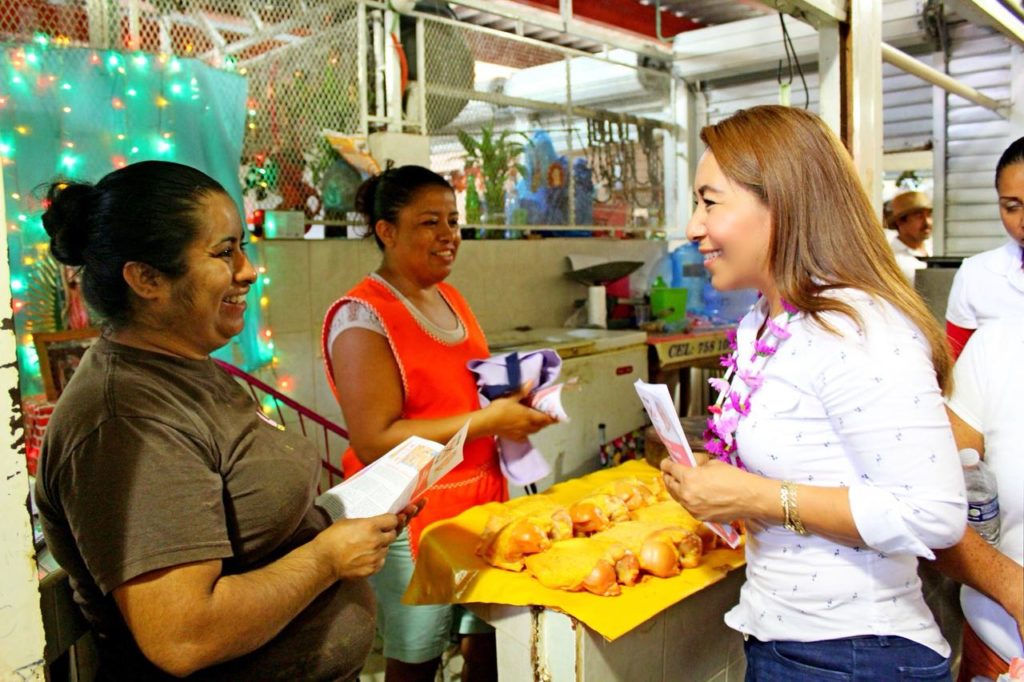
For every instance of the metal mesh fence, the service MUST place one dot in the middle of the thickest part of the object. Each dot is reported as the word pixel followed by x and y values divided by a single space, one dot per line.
pixel 596 124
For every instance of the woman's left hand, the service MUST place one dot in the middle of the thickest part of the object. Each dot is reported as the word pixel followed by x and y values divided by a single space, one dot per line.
pixel 409 513
pixel 713 491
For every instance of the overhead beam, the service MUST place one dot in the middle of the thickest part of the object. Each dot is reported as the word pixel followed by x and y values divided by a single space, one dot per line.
pixel 499 99
pixel 992 13
pixel 815 12
pixel 904 61
pixel 830 77
pixel 755 45
pixel 543 18
pixel 278 32
pixel 738 47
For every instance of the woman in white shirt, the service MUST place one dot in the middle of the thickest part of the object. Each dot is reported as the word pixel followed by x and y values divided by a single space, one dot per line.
pixel 990 285
pixel 846 470
pixel 986 416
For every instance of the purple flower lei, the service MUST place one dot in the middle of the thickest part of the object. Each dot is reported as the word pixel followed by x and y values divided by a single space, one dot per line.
pixel 729 409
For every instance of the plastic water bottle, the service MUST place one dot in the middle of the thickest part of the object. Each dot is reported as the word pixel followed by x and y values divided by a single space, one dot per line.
pixel 712 302
pixel 676 278
pixel 691 276
pixel 982 496
pixel 662 270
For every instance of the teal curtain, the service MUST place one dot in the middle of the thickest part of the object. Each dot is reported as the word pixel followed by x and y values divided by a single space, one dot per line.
pixel 80 113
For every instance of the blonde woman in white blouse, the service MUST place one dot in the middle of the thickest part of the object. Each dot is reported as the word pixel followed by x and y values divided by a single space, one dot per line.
pixel 845 466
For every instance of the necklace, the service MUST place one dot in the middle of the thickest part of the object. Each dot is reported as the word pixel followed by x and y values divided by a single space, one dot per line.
pixel 730 408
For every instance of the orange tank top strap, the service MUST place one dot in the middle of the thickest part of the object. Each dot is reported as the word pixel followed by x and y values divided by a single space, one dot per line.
pixel 435 383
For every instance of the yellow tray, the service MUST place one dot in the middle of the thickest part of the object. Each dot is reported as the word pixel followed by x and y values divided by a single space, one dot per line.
pixel 448 571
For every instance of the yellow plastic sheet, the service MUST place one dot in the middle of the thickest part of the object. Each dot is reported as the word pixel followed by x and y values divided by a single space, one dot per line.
pixel 448 571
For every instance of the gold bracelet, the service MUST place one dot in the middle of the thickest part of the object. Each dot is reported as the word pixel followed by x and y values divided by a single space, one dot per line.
pixel 790 508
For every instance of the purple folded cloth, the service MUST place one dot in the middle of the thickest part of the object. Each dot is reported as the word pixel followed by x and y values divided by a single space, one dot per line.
pixel 499 375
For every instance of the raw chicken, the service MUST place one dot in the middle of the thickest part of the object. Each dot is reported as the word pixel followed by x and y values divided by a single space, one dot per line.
pixel 580 564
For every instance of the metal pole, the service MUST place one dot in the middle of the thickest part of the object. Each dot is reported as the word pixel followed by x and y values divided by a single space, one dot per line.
pixel 421 71
pixel 940 122
pixel 570 181
pixel 392 75
pixel 98 15
pixel 539 105
pixel 364 55
pixel 378 66
pixel 864 122
pixel 134 42
pixel 904 61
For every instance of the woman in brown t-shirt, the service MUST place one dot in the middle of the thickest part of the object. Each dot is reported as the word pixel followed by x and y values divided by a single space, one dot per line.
pixel 183 517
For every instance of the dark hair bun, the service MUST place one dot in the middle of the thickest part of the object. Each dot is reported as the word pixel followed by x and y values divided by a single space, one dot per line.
pixel 65 220
pixel 365 196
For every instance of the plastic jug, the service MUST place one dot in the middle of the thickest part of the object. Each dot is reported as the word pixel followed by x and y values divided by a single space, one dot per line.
pixel 713 302
pixel 689 269
pixel 676 258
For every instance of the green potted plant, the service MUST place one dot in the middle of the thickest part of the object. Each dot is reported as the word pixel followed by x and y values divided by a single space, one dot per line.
pixel 495 153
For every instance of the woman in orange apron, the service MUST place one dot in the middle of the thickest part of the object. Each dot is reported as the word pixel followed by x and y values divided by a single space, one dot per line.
pixel 396 348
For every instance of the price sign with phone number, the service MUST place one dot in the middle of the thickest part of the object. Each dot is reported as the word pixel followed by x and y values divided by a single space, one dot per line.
pixel 690 349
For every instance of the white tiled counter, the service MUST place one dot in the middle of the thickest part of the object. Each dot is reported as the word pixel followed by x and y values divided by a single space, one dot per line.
pixel 688 642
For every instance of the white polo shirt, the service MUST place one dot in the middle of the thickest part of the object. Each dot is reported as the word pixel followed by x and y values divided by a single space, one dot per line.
pixel 987 381
pixel 987 286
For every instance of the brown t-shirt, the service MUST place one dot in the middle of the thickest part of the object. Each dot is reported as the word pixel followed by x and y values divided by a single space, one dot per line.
pixel 153 461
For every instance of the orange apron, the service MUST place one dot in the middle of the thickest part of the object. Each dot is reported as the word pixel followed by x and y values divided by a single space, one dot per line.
pixel 435 384
pixel 978 659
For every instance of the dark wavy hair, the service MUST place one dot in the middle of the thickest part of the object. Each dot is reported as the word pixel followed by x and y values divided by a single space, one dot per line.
pixel 145 212
pixel 384 195
pixel 1012 155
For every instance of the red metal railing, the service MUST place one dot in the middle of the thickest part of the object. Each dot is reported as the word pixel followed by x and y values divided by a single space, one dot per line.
pixel 332 472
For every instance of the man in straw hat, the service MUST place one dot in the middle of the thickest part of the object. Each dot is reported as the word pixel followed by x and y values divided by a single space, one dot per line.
pixel 911 218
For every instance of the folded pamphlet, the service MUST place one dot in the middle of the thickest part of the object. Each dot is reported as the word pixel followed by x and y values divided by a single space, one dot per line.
pixel 662 411
pixel 390 484
pixel 549 400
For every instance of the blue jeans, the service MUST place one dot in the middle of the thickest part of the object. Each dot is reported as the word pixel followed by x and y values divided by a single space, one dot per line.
pixel 852 659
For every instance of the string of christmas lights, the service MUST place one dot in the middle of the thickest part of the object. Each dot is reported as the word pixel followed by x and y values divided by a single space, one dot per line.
pixel 80 113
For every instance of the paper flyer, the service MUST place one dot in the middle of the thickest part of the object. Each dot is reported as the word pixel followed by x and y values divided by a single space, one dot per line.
pixel 399 478
pixel 549 401
pixel 662 411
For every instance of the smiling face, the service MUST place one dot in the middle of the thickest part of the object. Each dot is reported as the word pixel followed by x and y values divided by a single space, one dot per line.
pixel 206 305
pixel 1011 201
pixel 422 244
pixel 732 228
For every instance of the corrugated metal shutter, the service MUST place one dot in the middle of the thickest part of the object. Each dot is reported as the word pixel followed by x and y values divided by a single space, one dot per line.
pixel 975 138
pixel 906 109
pixel 906 104
pixel 724 100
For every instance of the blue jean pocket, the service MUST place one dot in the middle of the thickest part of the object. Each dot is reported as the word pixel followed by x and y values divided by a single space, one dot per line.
pixel 807 661
pixel 930 673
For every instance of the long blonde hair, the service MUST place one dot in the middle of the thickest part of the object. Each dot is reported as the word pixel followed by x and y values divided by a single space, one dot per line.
pixel 825 234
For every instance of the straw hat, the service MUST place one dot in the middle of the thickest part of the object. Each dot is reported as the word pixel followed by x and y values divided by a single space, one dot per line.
pixel 908 202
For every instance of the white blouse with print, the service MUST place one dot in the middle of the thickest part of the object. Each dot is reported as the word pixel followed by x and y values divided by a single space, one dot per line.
pixel 861 410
